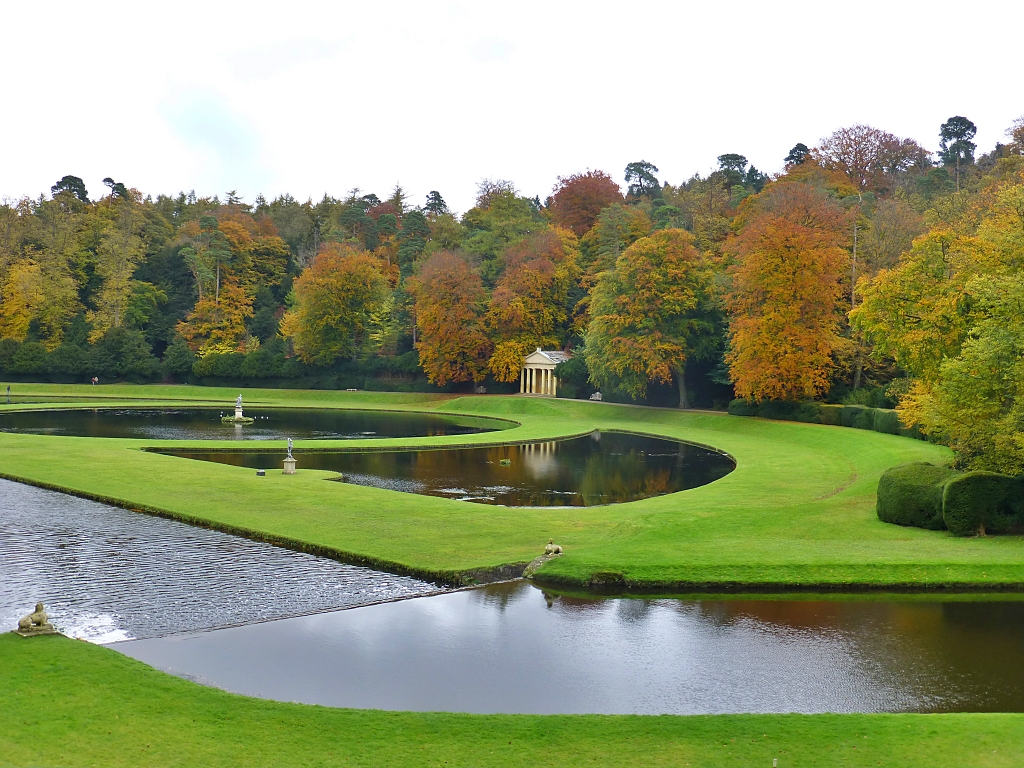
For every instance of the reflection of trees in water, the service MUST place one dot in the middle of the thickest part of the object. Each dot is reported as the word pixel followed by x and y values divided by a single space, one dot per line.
pixel 606 469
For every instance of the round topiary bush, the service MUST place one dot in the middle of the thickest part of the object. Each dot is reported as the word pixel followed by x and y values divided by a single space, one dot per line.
pixel 911 494
pixel 977 503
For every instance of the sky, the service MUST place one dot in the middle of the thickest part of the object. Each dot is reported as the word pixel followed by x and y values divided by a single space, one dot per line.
pixel 314 98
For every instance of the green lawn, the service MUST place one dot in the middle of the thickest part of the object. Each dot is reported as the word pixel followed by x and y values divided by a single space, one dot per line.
pixel 69 703
pixel 797 511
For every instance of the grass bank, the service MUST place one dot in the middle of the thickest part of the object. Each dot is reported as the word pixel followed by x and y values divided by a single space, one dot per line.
pixel 798 511
pixel 69 703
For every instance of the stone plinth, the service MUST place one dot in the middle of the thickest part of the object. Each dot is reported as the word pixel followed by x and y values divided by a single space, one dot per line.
pixel 289 466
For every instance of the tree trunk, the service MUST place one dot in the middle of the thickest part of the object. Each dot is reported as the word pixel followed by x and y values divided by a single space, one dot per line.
pixel 684 401
pixel 858 367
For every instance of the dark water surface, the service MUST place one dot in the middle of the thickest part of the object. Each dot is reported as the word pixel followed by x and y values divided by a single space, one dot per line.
pixel 602 468
pixel 271 423
pixel 511 648
pixel 107 574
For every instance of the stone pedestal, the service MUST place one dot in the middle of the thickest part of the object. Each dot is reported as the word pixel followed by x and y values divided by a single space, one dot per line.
pixel 289 466
pixel 238 413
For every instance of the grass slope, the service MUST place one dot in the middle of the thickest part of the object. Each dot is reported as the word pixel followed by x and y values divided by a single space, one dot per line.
pixel 798 510
pixel 69 703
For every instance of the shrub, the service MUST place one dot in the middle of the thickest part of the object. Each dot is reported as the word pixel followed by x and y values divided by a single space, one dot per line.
pixel 30 357
pixel 178 359
pixel 983 502
pixel 856 416
pixel 8 348
pixel 829 413
pixel 912 494
pixel 69 361
pixel 740 407
pixel 884 420
pixel 227 365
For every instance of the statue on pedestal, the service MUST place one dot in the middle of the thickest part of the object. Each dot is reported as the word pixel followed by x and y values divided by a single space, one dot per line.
pixel 36 623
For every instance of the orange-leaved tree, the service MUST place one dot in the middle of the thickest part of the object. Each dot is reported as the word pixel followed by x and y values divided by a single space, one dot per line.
pixel 449 309
pixel 650 314
pixel 785 300
pixel 528 305
pixel 578 199
pixel 217 325
pixel 336 296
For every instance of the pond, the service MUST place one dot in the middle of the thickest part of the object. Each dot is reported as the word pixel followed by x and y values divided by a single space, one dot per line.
pixel 601 468
pixel 511 648
pixel 109 574
pixel 191 423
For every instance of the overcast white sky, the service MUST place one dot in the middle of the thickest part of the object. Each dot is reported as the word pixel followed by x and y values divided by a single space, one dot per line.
pixel 309 98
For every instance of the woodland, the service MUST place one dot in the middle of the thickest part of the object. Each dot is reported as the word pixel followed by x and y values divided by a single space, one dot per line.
pixel 870 270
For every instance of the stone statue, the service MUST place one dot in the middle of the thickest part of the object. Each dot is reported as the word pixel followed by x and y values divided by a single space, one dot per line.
pixel 552 548
pixel 37 623
pixel 238 402
pixel 289 448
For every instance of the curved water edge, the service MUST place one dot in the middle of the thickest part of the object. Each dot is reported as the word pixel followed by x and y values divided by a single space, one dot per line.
pixel 603 467
pixel 203 422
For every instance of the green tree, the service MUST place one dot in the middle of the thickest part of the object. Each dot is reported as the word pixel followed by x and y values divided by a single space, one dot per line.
pixel 650 314
pixel 955 145
pixel 641 179
pixel 71 184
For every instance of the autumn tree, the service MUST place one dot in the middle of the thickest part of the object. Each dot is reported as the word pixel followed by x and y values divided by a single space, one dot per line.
pixel 335 297
pixel 117 256
pixel 528 306
pixel 450 301
pixel 949 312
pixel 650 314
pixel 578 199
pixel 785 299
pixel 870 157
pixel 216 326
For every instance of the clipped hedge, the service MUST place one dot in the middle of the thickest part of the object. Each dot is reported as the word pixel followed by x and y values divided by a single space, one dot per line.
pixel 856 416
pixel 964 503
pixel 983 502
pixel 911 494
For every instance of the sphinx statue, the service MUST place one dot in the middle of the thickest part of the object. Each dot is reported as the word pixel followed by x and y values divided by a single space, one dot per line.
pixel 36 623
pixel 552 548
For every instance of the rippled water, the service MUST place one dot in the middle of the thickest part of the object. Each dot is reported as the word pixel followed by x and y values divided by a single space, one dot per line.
pixel 184 423
pixel 601 468
pixel 512 648
pixel 108 574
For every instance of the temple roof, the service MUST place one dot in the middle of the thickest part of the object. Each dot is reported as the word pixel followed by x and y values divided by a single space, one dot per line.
pixel 551 356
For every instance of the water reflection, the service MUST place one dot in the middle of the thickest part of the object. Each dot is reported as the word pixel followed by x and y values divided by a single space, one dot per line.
pixel 270 423
pixel 514 648
pixel 603 468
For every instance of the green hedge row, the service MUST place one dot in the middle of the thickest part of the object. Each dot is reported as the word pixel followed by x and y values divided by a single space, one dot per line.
pixel 856 416
pixel 964 503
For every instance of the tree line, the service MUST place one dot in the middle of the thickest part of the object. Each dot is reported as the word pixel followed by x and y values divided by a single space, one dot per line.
pixel 869 269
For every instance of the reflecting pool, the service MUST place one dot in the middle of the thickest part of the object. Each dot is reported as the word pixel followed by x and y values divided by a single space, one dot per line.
pixel 270 423
pixel 601 468
pixel 512 648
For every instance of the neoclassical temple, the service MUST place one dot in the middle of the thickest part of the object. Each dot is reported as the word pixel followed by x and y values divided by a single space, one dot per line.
pixel 538 375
